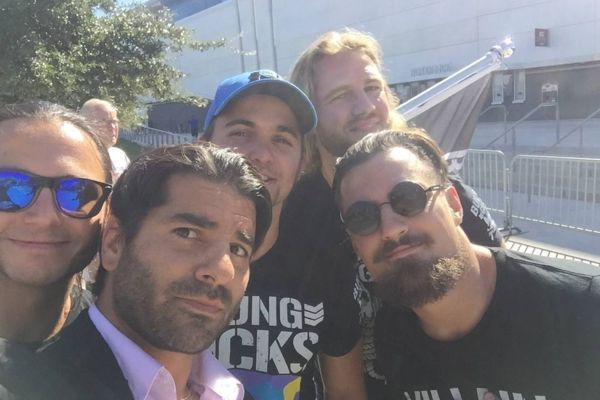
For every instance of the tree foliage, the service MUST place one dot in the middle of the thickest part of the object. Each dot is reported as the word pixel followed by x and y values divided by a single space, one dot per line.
pixel 67 51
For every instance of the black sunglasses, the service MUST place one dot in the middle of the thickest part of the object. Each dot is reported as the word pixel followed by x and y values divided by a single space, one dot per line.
pixel 75 197
pixel 406 198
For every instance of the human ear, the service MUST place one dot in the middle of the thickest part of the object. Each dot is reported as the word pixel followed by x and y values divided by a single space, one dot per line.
pixel 112 244
pixel 453 201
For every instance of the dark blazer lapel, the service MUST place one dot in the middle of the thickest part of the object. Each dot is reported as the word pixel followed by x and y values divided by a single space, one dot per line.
pixel 83 348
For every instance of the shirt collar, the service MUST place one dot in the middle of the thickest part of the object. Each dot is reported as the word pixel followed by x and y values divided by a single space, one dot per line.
pixel 208 377
pixel 139 368
pixel 213 380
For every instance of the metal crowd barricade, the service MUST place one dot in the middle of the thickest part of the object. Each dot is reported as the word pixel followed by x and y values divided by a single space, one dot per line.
pixel 562 191
pixel 485 171
pixel 150 137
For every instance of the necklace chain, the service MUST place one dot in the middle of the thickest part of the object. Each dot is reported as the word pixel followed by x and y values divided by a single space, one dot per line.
pixel 189 394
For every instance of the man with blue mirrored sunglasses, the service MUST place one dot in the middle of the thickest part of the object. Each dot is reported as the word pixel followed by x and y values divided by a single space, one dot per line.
pixel 54 180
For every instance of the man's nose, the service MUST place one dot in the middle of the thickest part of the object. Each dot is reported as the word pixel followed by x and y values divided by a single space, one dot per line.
pixel 363 104
pixel 44 210
pixel 216 265
pixel 393 225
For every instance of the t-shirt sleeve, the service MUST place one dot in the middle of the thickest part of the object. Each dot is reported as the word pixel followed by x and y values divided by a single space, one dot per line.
pixel 478 223
pixel 342 328
pixel 588 320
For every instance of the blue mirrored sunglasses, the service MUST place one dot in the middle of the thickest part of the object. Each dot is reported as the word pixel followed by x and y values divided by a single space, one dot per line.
pixel 75 197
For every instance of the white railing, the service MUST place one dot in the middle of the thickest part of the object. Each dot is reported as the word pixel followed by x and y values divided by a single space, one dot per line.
pixel 150 137
pixel 485 170
pixel 560 191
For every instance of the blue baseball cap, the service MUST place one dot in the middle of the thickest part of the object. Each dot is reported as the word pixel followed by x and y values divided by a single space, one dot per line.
pixel 266 82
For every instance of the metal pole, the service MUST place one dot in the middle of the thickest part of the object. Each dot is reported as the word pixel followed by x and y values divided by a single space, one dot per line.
pixel 557 117
pixel 505 118
pixel 255 34
pixel 456 82
pixel 273 45
pixel 514 142
pixel 240 34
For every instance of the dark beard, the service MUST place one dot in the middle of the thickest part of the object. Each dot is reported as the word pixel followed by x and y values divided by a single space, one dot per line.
pixel 413 282
pixel 165 325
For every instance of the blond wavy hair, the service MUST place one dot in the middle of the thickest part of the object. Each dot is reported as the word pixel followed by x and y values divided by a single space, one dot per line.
pixel 329 44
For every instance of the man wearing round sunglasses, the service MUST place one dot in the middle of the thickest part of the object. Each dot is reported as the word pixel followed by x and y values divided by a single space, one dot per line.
pixel 54 180
pixel 459 319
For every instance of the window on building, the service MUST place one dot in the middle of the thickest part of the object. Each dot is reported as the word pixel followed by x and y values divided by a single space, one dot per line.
pixel 498 89
pixel 519 86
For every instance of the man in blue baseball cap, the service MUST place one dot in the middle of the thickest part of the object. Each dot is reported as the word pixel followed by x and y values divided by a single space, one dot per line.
pixel 291 313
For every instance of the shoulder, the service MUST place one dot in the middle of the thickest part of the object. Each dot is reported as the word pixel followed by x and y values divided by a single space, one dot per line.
pixel 117 152
pixel 311 191
pixel 86 361
pixel 25 374
pixel 478 223
pixel 117 155
pixel 570 278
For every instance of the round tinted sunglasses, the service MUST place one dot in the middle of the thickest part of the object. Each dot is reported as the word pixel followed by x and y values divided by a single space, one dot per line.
pixel 75 197
pixel 406 198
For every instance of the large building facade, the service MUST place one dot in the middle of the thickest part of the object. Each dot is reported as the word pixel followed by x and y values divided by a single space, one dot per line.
pixel 557 42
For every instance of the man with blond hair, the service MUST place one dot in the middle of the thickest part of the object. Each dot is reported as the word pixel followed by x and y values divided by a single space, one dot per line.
pixel 104 115
pixel 341 72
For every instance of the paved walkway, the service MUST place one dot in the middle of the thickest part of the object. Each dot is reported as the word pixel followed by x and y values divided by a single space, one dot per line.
pixel 527 246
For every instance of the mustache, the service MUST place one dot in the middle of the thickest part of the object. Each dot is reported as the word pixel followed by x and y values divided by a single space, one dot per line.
pixel 195 288
pixel 362 117
pixel 406 240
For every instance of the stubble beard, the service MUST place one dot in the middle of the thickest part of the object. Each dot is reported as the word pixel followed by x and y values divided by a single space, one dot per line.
pixel 335 144
pixel 166 325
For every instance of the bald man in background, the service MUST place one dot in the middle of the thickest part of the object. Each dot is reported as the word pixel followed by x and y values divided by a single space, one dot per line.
pixel 104 114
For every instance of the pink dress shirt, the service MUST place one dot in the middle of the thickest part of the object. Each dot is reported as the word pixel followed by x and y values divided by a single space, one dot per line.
pixel 149 380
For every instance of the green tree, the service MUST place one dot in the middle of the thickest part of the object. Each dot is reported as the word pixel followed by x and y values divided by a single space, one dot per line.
pixel 67 51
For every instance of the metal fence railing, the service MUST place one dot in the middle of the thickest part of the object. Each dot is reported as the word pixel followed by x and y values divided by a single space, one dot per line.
pixel 486 171
pixel 560 191
pixel 150 137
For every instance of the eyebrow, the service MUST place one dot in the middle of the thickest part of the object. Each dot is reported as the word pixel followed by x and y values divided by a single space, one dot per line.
pixel 240 121
pixel 289 130
pixel 250 124
pixel 206 223
pixel 194 219
pixel 246 238
pixel 337 90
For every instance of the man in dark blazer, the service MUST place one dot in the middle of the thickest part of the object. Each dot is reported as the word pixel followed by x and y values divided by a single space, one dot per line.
pixel 184 222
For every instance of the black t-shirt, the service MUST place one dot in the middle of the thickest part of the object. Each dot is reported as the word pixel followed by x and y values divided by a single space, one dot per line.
pixel 312 218
pixel 537 340
pixel 478 224
pixel 295 307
